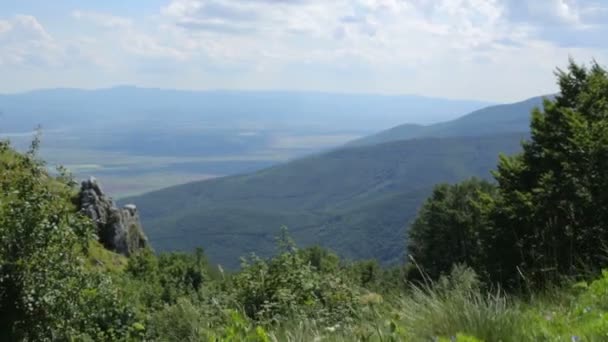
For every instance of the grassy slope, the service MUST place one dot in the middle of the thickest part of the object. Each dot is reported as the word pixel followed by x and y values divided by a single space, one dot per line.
pixel 357 201
pixel 507 118
pixel 101 259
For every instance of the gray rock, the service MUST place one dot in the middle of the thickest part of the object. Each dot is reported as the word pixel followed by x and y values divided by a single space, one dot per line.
pixel 119 230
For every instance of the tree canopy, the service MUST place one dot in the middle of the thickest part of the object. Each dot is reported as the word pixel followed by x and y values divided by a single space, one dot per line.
pixel 546 218
pixel 447 229
pixel 550 216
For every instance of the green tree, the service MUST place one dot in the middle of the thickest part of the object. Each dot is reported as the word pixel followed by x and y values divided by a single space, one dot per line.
pixel 322 259
pixel 449 227
pixel 46 293
pixel 550 218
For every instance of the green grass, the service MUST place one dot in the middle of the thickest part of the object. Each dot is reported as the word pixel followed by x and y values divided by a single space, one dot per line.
pixel 458 310
pixel 453 309
pixel 101 259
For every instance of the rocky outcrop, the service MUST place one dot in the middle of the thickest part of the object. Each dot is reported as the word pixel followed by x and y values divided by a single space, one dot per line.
pixel 119 230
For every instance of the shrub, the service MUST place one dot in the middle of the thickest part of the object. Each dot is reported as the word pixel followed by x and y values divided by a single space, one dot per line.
pixel 286 286
pixel 46 292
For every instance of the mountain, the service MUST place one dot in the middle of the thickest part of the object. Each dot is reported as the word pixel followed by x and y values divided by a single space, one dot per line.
pixel 139 139
pixel 357 201
pixel 55 108
pixel 506 118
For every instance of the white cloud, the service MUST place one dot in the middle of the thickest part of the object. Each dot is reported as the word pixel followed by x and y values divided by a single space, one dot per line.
pixel 432 41
pixel 103 19
pixel 365 28
pixel 5 26
pixel 436 47
pixel 567 12
pixel 23 40
pixel 130 38
pixel 30 25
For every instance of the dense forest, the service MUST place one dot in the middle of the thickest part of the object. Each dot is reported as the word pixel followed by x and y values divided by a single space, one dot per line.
pixel 519 258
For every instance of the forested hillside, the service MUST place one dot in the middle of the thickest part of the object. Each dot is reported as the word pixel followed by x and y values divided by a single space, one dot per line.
pixel 357 201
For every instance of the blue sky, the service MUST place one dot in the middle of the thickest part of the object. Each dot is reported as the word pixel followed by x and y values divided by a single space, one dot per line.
pixel 498 50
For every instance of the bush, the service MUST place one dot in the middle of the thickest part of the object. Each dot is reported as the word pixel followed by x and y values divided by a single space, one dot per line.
pixel 181 321
pixel 46 292
pixel 286 286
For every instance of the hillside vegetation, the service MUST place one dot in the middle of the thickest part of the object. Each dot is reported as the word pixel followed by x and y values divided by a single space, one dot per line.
pixel 356 201
pixel 532 244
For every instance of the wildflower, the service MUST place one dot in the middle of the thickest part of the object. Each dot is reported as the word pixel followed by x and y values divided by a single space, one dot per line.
pixel 333 329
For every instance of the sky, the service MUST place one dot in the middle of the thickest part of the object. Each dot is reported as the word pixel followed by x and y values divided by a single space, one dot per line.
pixel 493 50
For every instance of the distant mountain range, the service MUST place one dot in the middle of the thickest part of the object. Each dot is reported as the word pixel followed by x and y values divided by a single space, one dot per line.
pixel 222 108
pixel 357 200
pixel 139 139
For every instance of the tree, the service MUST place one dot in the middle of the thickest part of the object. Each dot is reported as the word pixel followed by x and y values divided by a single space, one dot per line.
pixel 46 293
pixel 550 217
pixel 449 227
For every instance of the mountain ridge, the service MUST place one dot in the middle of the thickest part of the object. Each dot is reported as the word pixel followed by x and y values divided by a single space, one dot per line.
pixel 501 118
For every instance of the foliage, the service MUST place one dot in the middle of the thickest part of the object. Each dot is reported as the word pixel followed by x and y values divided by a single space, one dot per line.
pixel 287 286
pixel 181 321
pixel 46 293
pixel 546 218
pixel 457 304
pixel 550 218
pixel 449 227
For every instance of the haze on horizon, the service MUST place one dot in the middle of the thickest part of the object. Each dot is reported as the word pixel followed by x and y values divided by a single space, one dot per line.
pixel 494 50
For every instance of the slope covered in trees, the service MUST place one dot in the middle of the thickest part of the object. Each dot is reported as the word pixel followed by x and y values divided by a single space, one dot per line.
pixel 356 201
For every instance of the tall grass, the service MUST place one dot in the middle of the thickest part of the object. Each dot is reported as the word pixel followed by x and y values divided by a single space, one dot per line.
pixel 457 304
pixel 451 308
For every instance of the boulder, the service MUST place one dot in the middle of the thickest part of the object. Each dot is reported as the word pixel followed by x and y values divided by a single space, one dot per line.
pixel 119 230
